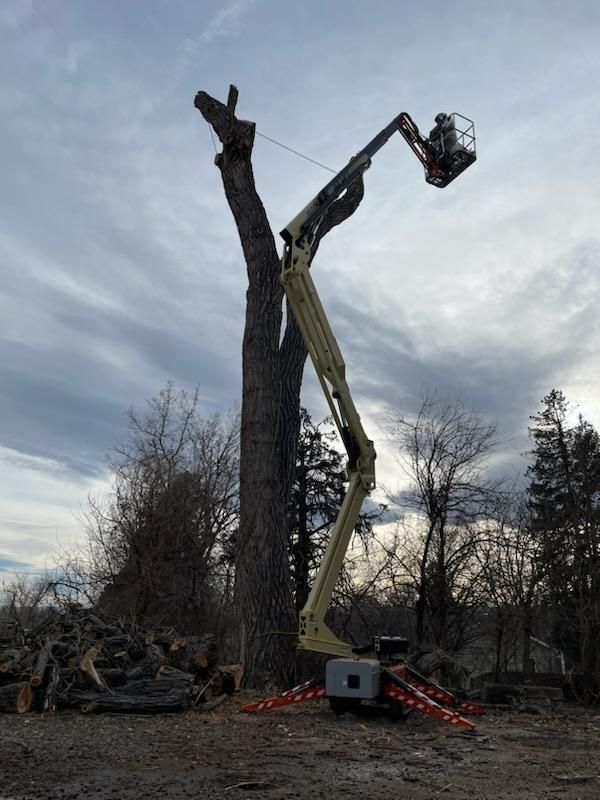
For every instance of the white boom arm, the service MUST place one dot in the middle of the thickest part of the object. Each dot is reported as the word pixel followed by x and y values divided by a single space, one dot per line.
pixel 299 237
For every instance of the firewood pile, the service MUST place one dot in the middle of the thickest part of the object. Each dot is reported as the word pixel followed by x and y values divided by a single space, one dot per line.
pixel 80 660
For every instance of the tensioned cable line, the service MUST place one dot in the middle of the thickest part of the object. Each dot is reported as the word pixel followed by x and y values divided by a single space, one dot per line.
pixel 285 147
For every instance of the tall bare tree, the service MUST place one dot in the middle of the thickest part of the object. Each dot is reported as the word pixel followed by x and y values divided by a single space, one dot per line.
pixel 444 451
pixel 272 367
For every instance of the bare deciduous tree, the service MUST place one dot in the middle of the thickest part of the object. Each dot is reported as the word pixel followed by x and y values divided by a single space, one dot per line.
pixel 444 451
pixel 24 600
pixel 512 571
pixel 155 542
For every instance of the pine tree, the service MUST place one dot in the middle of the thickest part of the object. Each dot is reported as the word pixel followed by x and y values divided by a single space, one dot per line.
pixel 317 493
pixel 564 499
pixel 550 494
pixel 550 488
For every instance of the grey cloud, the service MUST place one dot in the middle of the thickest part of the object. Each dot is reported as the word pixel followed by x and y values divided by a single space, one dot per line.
pixel 58 420
pixel 183 355
pixel 567 290
pixel 69 405
pixel 15 13
pixel 120 262
pixel 28 546
pixel 10 564
pixel 499 378
pixel 104 300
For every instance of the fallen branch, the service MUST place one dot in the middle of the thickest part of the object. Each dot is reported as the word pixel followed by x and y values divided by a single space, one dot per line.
pixel 250 785
pixel 175 700
pixel 573 778
pixel 40 665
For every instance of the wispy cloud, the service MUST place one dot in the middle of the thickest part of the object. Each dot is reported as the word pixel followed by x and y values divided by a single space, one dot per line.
pixel 227 21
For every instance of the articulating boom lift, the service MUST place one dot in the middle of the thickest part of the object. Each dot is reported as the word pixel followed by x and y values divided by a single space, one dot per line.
pixel 357 673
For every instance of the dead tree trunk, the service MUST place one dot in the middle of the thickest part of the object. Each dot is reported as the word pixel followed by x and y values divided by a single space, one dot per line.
pixel 272 376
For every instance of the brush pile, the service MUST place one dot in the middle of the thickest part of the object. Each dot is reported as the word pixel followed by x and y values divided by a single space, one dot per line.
pixel 80 660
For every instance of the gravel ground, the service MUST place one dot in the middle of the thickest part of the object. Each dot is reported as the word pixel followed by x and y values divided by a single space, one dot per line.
pixel 298 752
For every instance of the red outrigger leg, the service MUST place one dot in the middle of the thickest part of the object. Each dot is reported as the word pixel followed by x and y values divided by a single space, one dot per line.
pixel 397 689
pixel 433 690
pixel 310 690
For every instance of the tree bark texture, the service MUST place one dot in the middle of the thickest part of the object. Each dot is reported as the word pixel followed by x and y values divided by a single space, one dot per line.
pixel 271 380
pixel 262 584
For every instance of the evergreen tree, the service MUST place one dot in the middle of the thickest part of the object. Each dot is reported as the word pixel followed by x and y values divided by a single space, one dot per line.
pixel 318 490
pixel 550 494
pixel 551 486
pixel 564 499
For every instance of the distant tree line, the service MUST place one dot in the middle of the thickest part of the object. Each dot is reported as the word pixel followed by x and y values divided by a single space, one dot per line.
pixel 453 553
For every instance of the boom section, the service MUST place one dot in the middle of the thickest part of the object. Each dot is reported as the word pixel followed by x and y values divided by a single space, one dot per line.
pixel 300 236
pixel 304 302
pixel 306 222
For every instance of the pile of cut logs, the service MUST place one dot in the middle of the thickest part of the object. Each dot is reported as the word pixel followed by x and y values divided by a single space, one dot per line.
pixel 80 660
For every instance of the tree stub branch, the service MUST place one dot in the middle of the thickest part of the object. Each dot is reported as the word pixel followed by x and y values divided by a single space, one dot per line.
pixel 232 98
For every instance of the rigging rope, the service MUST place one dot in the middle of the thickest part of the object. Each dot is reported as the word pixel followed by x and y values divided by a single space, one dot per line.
pixel 285 147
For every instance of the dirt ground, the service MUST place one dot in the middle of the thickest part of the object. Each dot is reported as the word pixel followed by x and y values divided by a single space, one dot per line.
pixel 303 752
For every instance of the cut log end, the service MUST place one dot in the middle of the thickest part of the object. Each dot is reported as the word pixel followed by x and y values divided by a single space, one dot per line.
pixel 25 699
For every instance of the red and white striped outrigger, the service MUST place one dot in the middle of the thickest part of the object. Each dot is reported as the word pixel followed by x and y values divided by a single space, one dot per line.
pixel 399 683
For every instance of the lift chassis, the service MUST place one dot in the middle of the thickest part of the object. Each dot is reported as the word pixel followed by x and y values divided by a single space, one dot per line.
pixel 381 675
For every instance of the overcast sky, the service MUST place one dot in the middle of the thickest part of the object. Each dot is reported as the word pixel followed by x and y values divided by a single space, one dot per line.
pixel 120 263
